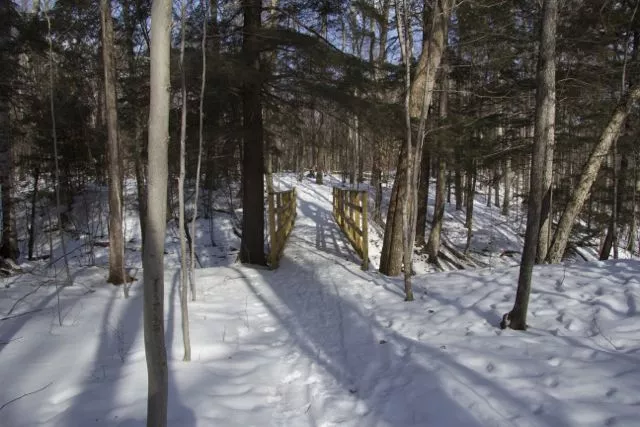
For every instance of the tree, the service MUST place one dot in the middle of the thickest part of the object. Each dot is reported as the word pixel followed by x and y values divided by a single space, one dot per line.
pixel 153 257
pixel 8 245
pixel 184 288
pixel 252 244
pixel 543 137
pixel 589 174
pixel 117 274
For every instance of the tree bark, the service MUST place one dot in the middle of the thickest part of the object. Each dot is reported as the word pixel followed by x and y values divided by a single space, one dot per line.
pixel 184 289
pixel 544 134
pixel 506 175
pixel 391 254
pixel 192 258
pixel 423 197
pixel 433 244
pixel 252 244
pixel 153 258
pixel 116 235
pixel 589 174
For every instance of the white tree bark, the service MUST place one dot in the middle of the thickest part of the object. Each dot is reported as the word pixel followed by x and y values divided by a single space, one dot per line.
pixel 192 266
pixel 184 288
pixel 153 258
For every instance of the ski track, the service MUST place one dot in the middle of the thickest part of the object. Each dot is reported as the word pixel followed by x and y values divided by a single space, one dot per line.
pixel 320 343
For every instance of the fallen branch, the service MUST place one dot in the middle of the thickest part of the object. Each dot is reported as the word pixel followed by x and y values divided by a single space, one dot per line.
pixel 21 314
pixel 24 395
pixel 23 297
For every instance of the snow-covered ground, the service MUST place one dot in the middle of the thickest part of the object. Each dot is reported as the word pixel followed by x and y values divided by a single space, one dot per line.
pixel 319 342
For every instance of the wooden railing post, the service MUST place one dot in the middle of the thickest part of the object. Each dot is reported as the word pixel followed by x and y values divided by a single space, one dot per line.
pixel 272 231
pixel 365 233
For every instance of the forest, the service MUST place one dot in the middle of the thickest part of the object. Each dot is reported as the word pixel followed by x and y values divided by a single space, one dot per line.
pixel 129 128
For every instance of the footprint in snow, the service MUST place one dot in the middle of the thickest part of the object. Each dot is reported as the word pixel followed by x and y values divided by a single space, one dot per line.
pixel 551 382
pixel 554 361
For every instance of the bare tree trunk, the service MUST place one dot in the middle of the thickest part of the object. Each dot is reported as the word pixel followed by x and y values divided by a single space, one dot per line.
pixel 54 136
pixel 192 258
pixel 433 244
pixel 153 258
pixel 544 134
pixel 423 197
pixel 506 174
pixel 496 186
pixel 589 174
pixel 546 219
pixel 117 274
pixel 184 288
pixel 8 244
pixel 138 152
pixel 402 19
pixel 32 220
pixel 471 190
pixel 633 222
pixel 457 180
pixel 252 244
pixel 391 254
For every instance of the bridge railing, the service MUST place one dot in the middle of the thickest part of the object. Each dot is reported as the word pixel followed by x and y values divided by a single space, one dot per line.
pixel 282 215
pixel 350 213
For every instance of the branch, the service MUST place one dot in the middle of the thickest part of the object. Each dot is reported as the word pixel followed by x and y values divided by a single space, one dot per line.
pixel 21 314
pixel 24 395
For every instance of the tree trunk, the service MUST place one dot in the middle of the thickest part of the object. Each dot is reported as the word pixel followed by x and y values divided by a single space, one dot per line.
pixel 192 258
pixel 496 186
pixel 633 222
pixel 32 220
pixel 116 235
pixel 8 243
pixel 433 244
pixel 138 152
pixel 252 245
pixel 457 180
pixel 153 258
pixel 391 254
pixel 506 174
pixel 589 174
pixel 471 190
pixel 184 289
pixel 544 134
pixel 423 197
pixel 546 219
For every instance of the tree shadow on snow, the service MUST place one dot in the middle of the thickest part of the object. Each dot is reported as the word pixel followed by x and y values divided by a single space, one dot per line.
pixel 102 394
pixel 398 380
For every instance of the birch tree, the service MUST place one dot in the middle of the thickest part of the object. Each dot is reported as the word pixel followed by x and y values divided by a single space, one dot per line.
pixel 184 288
pixel 203 84
pixel 153 257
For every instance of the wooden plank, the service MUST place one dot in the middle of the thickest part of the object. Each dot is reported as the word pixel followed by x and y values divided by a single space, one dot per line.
pixel 365 233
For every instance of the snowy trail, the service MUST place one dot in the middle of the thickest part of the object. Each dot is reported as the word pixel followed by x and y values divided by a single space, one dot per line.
pixel 320 343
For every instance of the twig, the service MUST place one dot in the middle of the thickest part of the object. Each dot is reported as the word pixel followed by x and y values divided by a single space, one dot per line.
pixel 24 296
pixel 24 395
pixel 21 314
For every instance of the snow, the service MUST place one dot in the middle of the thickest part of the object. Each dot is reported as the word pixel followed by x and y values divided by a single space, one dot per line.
pixel 319 342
